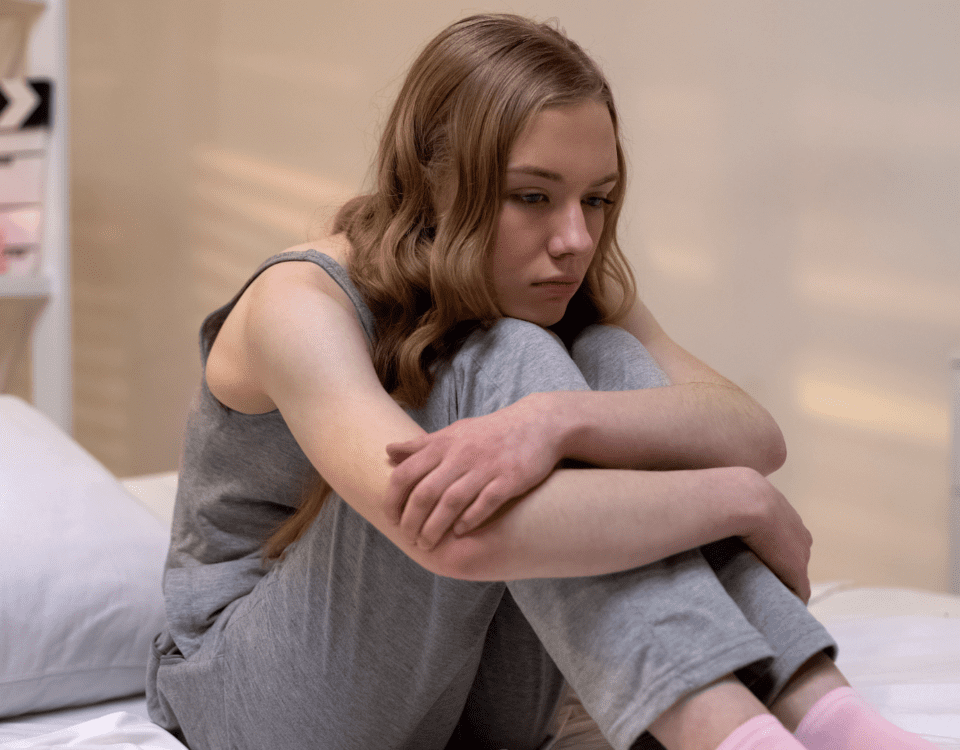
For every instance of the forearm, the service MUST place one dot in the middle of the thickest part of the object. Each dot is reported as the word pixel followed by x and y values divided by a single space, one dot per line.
pixel 593 521
pixel 702 420
pixel 688 426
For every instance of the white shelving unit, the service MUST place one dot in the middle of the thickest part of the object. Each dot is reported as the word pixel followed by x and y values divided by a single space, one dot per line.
pixel 46 295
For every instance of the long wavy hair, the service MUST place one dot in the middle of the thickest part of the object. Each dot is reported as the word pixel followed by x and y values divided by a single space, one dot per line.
pixel 421 240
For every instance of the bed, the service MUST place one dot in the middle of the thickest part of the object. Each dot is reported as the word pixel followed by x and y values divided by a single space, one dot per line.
pixel 82 554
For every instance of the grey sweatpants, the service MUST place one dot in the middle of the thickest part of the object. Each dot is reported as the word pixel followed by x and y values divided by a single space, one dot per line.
pixel 347 644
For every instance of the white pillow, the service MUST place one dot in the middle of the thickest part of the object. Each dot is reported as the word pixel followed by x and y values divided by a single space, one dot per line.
pixel 80 572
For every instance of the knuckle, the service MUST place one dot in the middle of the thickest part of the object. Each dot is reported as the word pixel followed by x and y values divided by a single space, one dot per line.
pixel 409 527
pixel 405 474
pixel 398 489
pixel 453 501
pixel 481 509
pixel 490 503
pixel 430 533
pixel 420 498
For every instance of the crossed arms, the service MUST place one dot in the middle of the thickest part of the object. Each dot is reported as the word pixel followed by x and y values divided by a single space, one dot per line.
pixel 293 343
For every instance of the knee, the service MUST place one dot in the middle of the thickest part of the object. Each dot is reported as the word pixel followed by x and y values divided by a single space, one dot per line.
pixel 512 339
pixel 612 359
pixel 600 338
pixel 509 360
pixel 516 331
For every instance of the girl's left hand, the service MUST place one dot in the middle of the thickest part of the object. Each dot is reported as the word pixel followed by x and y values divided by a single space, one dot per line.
pixel 457 478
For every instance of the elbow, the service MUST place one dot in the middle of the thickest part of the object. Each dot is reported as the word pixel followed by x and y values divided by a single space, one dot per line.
pixel 466 558
pixel 779 453
pixel 771 450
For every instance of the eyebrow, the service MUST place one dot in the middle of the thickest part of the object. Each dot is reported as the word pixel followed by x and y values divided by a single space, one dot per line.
pixel 557 177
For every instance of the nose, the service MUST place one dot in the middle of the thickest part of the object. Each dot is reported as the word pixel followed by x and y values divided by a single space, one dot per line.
pixel 571 233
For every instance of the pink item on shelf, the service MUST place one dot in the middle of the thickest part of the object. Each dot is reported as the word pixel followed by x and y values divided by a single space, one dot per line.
pixel 20 226
pixel 20 261
pixel 20 241
pixel 21 177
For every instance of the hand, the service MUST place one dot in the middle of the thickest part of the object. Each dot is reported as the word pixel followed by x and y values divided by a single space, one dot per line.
pixel 781 540
pixel 457 478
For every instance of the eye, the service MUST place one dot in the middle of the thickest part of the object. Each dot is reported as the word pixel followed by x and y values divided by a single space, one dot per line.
pixel 597 201
pixel 531 198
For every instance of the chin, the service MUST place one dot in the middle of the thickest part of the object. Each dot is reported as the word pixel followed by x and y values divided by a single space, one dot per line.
pixel 539 316
pixel 544 321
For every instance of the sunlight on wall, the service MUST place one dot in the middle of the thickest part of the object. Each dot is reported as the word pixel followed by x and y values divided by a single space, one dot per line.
pixel 889 413
pixel 793 214
pixel 882 295
pixel 247 208
pixel 273 195
pixel 684 264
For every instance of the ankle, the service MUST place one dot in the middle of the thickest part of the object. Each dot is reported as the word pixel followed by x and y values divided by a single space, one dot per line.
pixel 815 679
pixel 704 719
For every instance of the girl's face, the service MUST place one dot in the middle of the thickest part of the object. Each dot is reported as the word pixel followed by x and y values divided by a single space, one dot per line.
pixel 560 173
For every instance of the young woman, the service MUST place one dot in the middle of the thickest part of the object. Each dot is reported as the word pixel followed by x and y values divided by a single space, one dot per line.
pixel 514 496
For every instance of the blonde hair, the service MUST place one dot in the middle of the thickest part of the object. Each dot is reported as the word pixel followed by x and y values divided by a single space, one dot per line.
pixel 421 240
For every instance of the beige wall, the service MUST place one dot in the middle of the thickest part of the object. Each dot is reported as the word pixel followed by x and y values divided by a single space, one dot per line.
pixel 793 213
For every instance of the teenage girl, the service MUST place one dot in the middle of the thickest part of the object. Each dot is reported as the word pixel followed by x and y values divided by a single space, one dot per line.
pixel 525 482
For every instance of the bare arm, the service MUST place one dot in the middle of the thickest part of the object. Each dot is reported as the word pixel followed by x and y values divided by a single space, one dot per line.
pixel 595 521
pixel 701 420
pixel 292 344
pixel 462 474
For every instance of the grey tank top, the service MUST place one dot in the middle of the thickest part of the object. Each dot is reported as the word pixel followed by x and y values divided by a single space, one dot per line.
pixel 241 476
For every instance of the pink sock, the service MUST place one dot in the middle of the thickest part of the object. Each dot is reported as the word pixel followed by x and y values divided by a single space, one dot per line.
pixel 762 732
pixel 842 720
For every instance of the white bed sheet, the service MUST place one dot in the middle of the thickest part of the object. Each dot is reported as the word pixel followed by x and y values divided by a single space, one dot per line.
pixel 113 725
pixel 899 648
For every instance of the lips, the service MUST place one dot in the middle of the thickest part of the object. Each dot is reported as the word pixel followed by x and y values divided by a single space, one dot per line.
pixel 559 281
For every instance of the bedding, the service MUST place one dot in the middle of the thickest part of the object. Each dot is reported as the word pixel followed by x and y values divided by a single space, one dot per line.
pixel 80 565
pixel 106 724
pixel 82 554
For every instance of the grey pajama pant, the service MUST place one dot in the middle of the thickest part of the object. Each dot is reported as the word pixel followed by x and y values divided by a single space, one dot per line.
pixel 347 644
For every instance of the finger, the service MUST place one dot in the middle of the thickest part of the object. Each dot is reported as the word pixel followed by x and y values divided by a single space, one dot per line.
pixel 455 498
pixel 397 456
pixel 802 589
pixel 397 452
pixel 424 497
pixel 488 502
pixel 795 586
pixel 405 477
pixel 799 584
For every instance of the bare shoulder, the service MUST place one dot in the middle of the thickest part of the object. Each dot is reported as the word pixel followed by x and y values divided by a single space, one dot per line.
pixel 287 298
pixel 335 245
